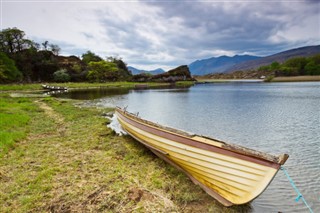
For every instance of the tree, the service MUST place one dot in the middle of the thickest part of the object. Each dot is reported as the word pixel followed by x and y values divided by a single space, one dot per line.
pixel 8 70
pixel 90 57
pixel 274 66
pixel 124 72
pixel 312 68
pixel 12 40
pixel 316 59
pixel 45 45
pixel 55 49
pixel 76 68
pixel 102 71
pixel 25 62
pixel 296 64
pixel 264 68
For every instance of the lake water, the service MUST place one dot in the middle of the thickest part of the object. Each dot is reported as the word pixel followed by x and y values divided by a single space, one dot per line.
pixel 270 117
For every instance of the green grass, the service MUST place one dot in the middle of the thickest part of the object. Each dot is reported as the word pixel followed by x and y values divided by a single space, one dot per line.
pixel 70 161
pixel 184 83
pixel 15 115
pixel 10 87
pixel 83 85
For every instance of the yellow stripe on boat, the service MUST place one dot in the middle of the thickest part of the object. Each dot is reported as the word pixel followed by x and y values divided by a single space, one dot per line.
pixel 231 174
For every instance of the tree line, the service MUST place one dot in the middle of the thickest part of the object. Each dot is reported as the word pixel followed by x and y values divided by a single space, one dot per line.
pixel 23 60
pixel 295 66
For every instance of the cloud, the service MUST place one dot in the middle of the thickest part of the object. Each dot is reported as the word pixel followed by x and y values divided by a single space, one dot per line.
pixel 152 34
pixel 239 26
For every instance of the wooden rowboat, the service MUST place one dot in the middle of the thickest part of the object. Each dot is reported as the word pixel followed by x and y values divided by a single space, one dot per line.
pixel 231 174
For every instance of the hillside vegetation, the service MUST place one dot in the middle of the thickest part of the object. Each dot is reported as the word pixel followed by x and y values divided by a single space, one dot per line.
pixel 295 66
pixel 281 57
pixel 23 60
pixel 299 66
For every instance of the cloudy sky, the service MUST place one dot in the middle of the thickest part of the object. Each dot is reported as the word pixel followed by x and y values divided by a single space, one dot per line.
pixel 166 33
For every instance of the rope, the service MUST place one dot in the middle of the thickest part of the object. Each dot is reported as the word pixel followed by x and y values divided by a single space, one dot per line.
pixel 296 189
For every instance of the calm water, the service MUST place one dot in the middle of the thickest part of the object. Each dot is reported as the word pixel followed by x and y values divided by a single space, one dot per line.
pixel 275 118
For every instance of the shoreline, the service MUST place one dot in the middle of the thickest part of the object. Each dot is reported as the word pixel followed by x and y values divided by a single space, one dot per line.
pixel 306 78
pixel 86 85
pixel 204 81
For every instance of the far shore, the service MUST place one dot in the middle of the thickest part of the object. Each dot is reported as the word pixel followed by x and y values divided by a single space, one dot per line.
pixel 227 80
pixel 304 78
pixel 87 85
pixel 297 78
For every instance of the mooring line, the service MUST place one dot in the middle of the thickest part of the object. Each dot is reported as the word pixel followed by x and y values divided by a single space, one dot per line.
pixel 300 196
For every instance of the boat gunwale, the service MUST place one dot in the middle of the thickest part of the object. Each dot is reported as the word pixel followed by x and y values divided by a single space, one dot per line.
pixel 166 152
pixel 226 148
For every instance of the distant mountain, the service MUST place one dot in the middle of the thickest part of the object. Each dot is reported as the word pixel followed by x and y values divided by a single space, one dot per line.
pixel 279 57
pixel 136 71
pixel 218 65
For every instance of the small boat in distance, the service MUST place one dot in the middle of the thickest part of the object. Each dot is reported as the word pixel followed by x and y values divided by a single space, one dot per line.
pixel 231 174
pixel 48 87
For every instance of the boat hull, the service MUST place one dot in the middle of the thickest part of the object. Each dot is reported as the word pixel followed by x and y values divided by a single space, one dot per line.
pixel 230 176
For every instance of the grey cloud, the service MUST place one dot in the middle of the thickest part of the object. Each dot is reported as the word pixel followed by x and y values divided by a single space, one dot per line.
pixel 123 34
pixel 203 28
pixel 239 29
pixel 183 31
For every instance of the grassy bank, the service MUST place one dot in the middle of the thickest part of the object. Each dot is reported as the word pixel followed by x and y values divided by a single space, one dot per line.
pixel 210 80
pixel 66 159
pixel 15 114
pixel 273 79
pixel 297 78
pixel 84 85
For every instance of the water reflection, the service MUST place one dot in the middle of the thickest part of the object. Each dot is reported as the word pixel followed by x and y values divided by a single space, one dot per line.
pixel 91 94
pixel 97 93
pixel 54 92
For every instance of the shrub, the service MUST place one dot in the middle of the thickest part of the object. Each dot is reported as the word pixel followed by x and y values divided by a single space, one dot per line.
pixel 61 76
pixel 8 70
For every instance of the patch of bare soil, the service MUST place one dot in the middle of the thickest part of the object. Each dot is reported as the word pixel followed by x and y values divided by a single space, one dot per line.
pixel 136 195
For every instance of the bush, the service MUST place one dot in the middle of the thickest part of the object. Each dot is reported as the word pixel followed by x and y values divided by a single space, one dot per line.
pixel 8 70
pixel 102 71
pixel 61 76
